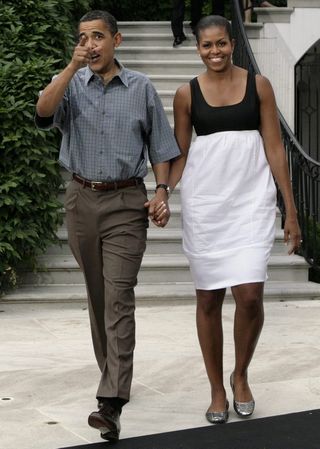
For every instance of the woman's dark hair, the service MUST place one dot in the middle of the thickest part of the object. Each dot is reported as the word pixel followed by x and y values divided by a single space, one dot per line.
pixel 107 18
pixel 212 21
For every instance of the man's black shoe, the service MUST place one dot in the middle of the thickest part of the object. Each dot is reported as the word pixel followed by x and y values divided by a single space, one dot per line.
pixel 178 40
pixel 107 421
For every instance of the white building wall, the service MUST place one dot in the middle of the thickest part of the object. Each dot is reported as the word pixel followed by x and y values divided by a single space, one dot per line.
pixel 280 47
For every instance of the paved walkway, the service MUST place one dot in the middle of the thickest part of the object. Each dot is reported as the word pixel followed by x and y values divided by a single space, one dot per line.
pixel 49 376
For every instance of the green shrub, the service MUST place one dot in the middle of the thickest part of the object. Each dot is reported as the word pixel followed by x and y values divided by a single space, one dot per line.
pixel 35 42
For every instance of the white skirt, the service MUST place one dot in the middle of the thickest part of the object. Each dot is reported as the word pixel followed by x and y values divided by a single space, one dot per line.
pixel 228 199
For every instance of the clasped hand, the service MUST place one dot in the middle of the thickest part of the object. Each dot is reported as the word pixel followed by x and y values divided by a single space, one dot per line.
pixel 158 211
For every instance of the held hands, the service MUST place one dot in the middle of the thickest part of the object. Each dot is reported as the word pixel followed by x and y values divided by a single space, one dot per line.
pixel 159 211
pixel 292 234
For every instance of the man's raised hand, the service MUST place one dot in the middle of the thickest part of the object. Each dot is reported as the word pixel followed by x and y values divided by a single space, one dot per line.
pixel 81 54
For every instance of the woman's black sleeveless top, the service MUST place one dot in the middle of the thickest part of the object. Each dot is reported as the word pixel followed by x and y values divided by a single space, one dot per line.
pixel 242 116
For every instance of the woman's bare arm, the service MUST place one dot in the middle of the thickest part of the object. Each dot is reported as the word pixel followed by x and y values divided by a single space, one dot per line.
pixel 182 131
pixel 271 134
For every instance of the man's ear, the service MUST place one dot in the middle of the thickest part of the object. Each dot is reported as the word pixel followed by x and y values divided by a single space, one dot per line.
pixel 117 39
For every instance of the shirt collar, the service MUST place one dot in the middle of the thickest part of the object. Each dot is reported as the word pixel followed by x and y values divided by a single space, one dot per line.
pixel 122 75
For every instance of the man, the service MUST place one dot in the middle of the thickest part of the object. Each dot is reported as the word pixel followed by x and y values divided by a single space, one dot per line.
pixel 177 17
pixel 110 117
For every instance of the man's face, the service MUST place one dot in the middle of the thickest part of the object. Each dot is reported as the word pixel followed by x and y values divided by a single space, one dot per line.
pixel 95 35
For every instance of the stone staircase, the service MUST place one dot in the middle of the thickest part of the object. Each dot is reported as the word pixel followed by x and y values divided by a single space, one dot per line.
pixel 164 275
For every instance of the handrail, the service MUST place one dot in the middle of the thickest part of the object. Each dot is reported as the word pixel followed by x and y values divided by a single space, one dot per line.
pixel 304 170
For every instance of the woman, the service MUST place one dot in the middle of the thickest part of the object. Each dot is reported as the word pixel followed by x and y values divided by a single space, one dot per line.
pixel 228 199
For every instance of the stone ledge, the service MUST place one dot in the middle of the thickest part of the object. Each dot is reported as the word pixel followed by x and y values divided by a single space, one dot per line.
pixel 166 293
pixel 273 15
pixel 304 3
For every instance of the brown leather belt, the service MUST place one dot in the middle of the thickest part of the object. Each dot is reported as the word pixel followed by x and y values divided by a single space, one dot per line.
pixel 100 185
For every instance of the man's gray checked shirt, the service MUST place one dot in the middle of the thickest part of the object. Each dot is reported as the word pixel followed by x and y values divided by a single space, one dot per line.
pixel 107 131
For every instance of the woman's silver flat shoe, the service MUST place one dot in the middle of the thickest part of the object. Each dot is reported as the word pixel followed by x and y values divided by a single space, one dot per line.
pixel 218 417
pixel 243 409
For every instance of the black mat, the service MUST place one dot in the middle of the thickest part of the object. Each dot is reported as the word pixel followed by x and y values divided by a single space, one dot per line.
pixel 293 431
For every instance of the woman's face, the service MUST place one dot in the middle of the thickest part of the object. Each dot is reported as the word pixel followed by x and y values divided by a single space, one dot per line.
pixel 215 48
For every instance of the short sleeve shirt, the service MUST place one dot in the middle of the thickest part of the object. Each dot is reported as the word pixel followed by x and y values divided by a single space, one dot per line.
pixel 109 131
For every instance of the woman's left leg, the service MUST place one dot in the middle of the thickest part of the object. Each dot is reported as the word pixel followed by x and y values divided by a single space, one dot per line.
pixel 210 334
pixel 248 322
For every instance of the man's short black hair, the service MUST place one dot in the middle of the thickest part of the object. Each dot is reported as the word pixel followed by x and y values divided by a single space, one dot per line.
pixel 107 18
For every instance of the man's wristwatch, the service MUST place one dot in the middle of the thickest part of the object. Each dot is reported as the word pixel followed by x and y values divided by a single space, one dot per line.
pixel 165 187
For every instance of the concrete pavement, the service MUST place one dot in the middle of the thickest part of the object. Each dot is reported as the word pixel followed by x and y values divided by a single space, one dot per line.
pixel 49 375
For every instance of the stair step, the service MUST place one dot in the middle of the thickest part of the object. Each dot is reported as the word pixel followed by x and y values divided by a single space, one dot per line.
pixel 155 33
pixel 169 114
pixel 273 15
pixel 149 67
pixel 167 96
pixel 174 222
pixel 164 81
pixel 165 39
pixel 166 240
pixel 303 3
pixel 253 29
pixel 166 293
pixel 158 53
pixel 155 268
pixel 152 39
pixel 160 241
pixel 144 27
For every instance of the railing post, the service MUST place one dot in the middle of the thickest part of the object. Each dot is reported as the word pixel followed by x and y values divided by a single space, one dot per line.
pixel 304 170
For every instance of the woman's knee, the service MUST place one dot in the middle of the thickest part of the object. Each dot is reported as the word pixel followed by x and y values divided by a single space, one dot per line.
pixel 250 304
pixel 249 297
pixel 248 294
pixel 251 301
pixel 209 302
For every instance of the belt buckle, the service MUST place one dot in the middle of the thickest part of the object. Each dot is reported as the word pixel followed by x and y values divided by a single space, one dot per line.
pixel 94 185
